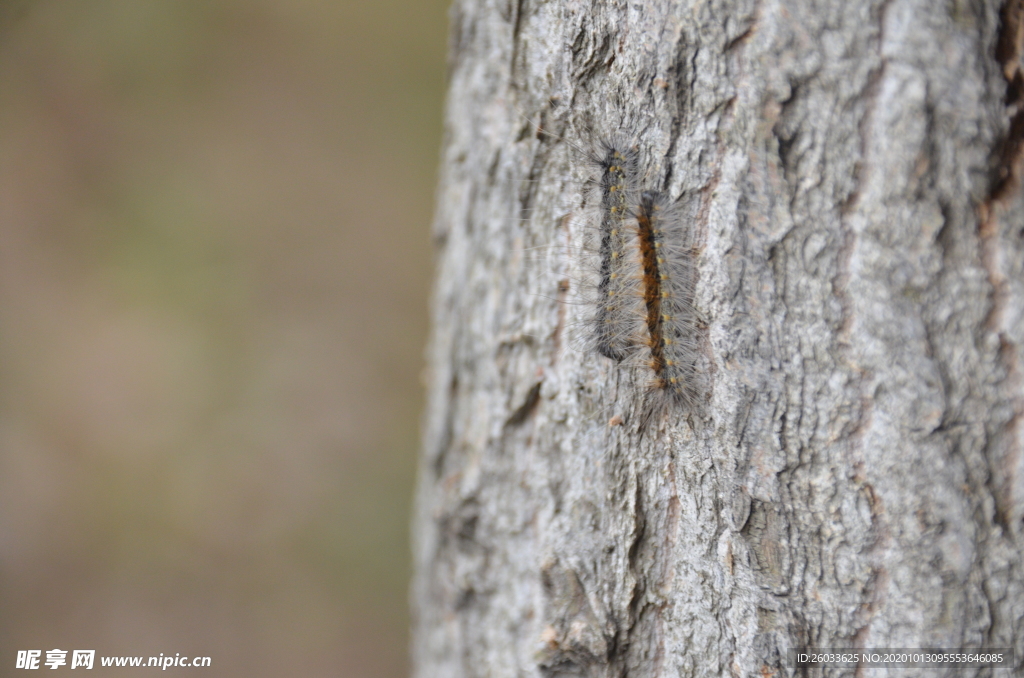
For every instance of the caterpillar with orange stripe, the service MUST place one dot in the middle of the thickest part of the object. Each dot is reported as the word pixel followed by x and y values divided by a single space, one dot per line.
pixel 674 339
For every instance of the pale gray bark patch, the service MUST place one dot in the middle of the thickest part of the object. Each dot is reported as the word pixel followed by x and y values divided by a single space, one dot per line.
pixel 857 477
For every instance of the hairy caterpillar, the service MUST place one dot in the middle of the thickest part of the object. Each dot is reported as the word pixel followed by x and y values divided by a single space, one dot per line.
pixel 617 313
pixel 604 268
pixel 673 335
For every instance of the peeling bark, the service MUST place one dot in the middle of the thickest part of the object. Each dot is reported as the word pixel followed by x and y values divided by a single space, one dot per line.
pixel 856 478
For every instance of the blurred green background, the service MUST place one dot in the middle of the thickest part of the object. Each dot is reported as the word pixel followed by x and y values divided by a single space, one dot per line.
pixel 214 268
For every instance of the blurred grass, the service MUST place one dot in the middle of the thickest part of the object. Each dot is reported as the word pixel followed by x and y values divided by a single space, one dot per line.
pixel 214 262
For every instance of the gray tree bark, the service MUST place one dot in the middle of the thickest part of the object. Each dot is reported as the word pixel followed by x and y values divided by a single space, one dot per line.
pixel 856 478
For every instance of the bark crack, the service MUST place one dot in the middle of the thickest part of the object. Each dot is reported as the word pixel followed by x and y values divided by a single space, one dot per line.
pixel 1009 156
pixel 1010 151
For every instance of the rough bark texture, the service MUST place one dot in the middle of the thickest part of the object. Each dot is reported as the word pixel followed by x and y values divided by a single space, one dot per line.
pixel 857 477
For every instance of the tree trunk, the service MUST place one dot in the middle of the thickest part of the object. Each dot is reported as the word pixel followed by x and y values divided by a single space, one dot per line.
pixel 853 474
